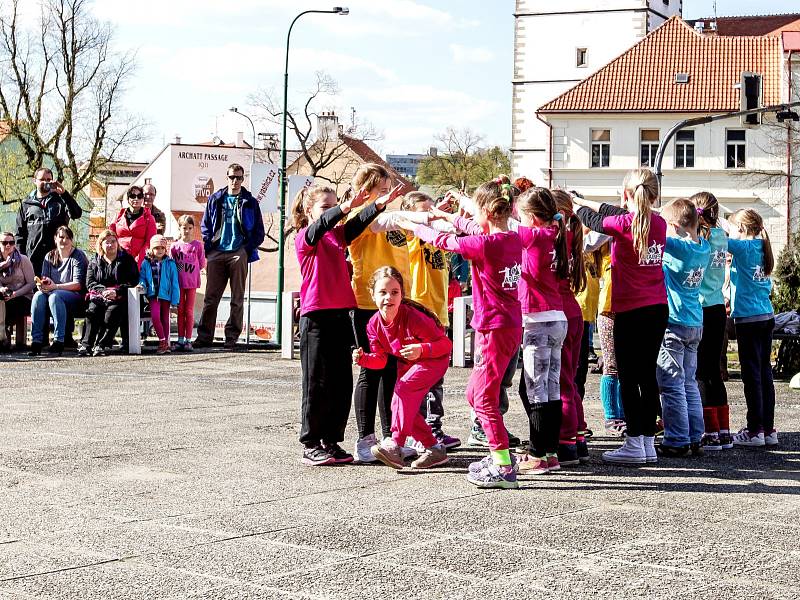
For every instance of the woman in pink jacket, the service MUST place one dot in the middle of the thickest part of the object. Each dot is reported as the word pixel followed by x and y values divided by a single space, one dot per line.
pixel 134 226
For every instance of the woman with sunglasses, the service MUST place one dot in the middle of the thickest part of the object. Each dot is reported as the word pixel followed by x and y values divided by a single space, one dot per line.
pixel 135 225
pixel 16 288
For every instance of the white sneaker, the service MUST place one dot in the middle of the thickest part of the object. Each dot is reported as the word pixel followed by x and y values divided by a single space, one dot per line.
pixel 650 455
pixel 743 438
pixel 362 450
pixel 412 449
pixel 630 453
pixel 771 439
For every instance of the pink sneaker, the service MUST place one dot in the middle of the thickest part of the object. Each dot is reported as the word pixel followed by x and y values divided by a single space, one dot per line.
pixel 552 463
pixel 532 465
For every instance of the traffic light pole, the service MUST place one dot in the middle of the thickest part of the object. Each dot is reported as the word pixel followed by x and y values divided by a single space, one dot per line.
pixel 708 119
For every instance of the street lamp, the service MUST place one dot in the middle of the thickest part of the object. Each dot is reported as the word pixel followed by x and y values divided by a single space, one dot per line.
pixel 249 269
pixel 336 10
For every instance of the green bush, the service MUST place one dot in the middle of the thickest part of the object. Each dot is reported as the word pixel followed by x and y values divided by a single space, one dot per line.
pixel 786 293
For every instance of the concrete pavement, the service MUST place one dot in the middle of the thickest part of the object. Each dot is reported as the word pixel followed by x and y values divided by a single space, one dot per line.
pixel 179 477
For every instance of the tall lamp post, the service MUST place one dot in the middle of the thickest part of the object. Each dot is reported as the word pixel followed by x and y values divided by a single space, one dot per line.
pixel 249 269
pixel 336 10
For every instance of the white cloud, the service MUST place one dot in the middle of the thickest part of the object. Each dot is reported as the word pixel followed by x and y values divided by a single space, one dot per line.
pixel 466 54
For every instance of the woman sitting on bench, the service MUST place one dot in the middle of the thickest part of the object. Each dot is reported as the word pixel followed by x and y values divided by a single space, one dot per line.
pixel 16 289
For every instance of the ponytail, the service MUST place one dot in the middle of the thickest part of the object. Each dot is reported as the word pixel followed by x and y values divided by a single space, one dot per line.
pixel 576 261
pixel 752 224
pixel 303 201
pixel 707 210
pixel 769 257
pixel 423 309
pixel 642 187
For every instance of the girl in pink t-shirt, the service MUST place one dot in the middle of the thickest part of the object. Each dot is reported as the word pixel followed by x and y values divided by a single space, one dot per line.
pixel 639 301
pixel 190 256
pixel 413 334
pixel 496 254
pixel 326 330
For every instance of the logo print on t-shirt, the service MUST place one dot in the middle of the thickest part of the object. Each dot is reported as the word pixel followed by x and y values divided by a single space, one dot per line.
pixel 718 259
pixel 654 253
pixel 434 257
pixel 396 238
pixel 759 275
pixel 694 278
pixel 553 260
pixel 511 276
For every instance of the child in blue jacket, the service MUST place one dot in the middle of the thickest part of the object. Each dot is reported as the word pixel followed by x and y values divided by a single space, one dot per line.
pixel 158 279
pixel 686 258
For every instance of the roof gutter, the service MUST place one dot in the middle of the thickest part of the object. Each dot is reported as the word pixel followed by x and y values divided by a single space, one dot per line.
pixel 549 151
pixel 789 159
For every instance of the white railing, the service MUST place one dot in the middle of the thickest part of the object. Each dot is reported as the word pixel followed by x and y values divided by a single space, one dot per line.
pixel 288 324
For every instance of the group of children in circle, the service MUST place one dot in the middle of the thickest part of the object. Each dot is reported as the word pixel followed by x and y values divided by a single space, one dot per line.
pixel 661 308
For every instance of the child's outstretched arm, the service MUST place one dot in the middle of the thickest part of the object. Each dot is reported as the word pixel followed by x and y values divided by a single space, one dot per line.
pixel 377 358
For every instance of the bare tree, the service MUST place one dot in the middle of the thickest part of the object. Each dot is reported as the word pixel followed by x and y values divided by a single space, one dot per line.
pixel 325 152
pixel 60 90
pixel 461 160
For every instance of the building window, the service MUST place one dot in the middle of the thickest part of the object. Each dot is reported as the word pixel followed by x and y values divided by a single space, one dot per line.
pixel 580 57
pixel 601 147
pixel 684 149
pixel 649 147
pixel 735 151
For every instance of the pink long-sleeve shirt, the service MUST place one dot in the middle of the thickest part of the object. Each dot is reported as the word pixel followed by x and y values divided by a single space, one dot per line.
pixel 496 260
pixel 189 257
pixel 538 285
pixel 410 326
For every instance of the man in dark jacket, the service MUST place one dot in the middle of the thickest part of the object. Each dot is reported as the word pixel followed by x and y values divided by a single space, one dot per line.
pixel 40 214
pixel 232 230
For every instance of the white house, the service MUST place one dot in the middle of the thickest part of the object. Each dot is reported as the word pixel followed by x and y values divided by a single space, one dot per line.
pixel 613 120
pixel 558 44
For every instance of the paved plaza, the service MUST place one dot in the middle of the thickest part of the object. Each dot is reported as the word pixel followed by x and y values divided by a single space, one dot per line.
pixel 179 477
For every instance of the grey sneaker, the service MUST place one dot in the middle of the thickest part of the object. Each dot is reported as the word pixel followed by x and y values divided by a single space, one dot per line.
pixel 363 447
pixel 494 477
pixel 388 454
pixel 431 457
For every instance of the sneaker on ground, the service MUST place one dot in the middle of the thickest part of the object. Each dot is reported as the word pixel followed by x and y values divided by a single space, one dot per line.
pixel 412 448
pixel 583 451
pixel 389 454
pixel 187 347
pixel 725 440
pixel 317 457
pixel 448 441
pixel 98 351
pixel 672 451
pixel 201 343
pixel 339 454
pixel 552 463
pixel 477 437
pixel 56 348
pixel 696 449
pixel 83 350
pixel 747 439
pixel 711 442
pixel 568 454
pixel 494 477
pixel 431 457
pixel 649 444
pixel 163 347
pixel 362 449
pixel 179 346
pixel 532 465
pixel 616 427
pixel 630 453
pixel 771 438
pixel 478 466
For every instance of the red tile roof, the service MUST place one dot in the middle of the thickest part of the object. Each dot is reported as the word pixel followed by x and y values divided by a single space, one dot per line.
pixel 369 155
pixel 754 25
pixel 642 79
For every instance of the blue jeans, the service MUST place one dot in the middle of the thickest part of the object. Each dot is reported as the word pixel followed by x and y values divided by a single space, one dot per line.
pixel 680 397
pixel 57 303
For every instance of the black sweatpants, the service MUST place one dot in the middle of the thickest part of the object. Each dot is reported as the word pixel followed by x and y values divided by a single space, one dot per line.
pixel 637 339
pixel 326 338
pixel 374 388
pixel 103 319
pixel 755 346
pixel 709 374
pixel 583 360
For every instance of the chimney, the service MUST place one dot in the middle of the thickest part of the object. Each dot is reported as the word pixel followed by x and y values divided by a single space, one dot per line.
pixel 328 126
pixel 240 139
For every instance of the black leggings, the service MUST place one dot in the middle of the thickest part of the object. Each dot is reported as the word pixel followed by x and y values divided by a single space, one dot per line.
pixel 709 374
pixel 583 361
pixel 374 388
pixel 637 339
pixel 755 346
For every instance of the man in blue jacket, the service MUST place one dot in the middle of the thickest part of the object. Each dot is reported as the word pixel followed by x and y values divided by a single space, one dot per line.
pixel 232 231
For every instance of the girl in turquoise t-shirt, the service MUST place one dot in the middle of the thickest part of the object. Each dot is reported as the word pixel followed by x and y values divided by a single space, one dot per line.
pixel 752 314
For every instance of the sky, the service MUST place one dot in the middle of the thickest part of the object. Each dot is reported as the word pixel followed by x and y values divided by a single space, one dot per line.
pixel 410 68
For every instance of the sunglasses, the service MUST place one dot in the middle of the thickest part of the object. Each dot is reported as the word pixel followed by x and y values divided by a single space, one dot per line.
pixel 8 242
pixel 236 177
pixel 136 196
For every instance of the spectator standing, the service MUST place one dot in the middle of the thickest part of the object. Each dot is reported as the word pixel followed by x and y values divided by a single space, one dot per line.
pixel 134 226
pixel 149 191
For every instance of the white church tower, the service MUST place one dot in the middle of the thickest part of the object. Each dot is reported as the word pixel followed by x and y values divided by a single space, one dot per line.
pixel 557 45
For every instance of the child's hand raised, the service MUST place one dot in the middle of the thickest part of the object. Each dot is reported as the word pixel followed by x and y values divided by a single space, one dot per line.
pixel 395 193
pixel 438 214
pixel 411 351
pixel 357 200
pixel 358 354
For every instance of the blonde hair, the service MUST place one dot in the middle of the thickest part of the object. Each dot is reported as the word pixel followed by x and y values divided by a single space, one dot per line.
pixel 367 177
pixel 389 272
pixel 683 212
pixel 495 198
pixel 751 223
pixel 303 201
pixel 411 199
pixel 106 233
pixel 186 220
pixel 642 187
